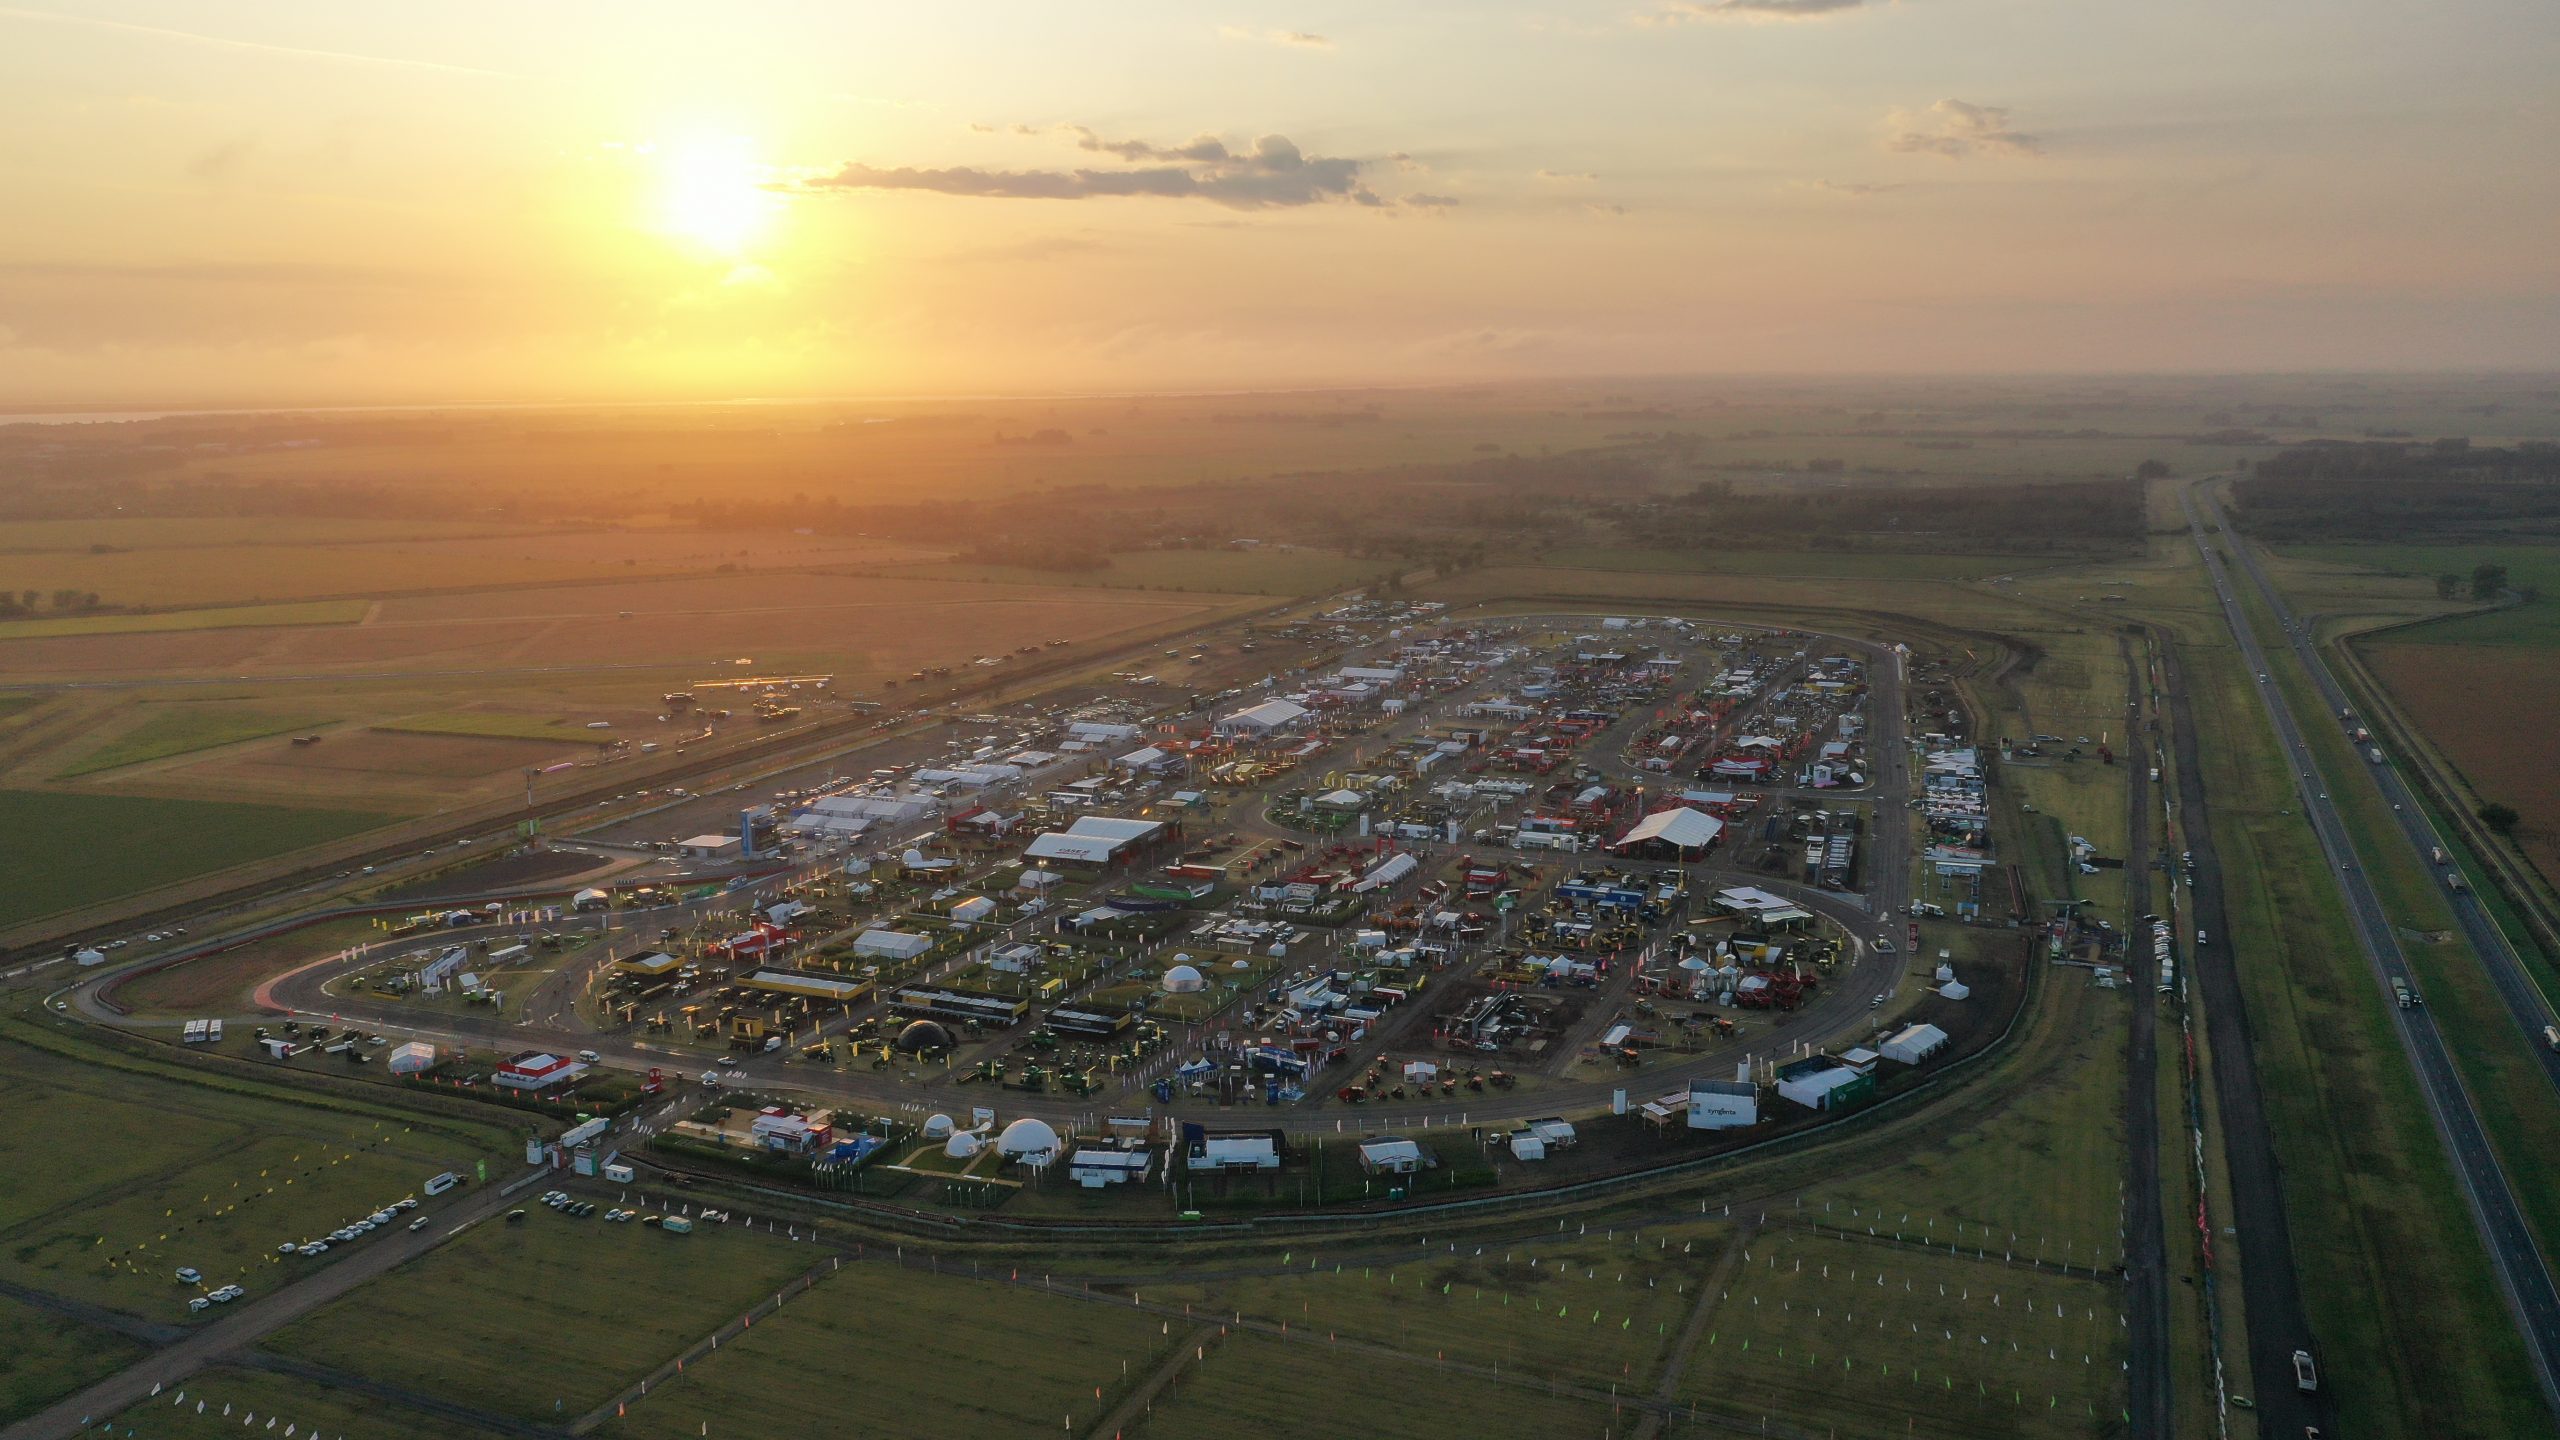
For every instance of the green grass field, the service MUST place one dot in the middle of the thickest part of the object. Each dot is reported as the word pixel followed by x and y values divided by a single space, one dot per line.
pixel 1585 1309
pixel 78 850
pixel 234 1400
pixel 1251 1384
pixel 1886 1340
pixel 224 617
pixel 925 1355
pixel 179 729
pixel 181 1168
pixel 2066 1130
pixel 494 726
pixel 2535 566
pixel 44 1357
pixel 549 1317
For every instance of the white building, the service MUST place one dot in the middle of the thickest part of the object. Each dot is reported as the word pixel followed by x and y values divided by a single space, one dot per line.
pixel 1092 840
pixel 1094 1169
pixel 1915 1044
pixel 1268 718
pixel 1390 1155
pixel 1236 1152
pixel 890 944
pixel 1723 1104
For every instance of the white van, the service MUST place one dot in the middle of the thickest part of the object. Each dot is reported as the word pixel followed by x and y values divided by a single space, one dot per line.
pixel 442 1183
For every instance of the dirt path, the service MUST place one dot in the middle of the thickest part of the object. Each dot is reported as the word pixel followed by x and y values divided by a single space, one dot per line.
pixel 1710 1292
pixel 1142 1400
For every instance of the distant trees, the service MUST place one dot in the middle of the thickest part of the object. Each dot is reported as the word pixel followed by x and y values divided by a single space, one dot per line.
pixel 65 602
pixel 2448 587
pixel 2499 818
pixel 2153 470
pixel 2382 490
pixel 2488 580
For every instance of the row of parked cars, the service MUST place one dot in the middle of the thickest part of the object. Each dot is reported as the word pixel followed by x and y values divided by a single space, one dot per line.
pixel 355 1229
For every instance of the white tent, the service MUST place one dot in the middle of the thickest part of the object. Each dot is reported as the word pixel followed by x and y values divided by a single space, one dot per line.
pixel 1679 827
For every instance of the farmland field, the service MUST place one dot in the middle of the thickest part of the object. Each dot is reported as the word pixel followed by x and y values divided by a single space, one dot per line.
pixel 1244 1381
pixel 98 847
pixel 1756 560
pixel 238 574
pixel 495 725
pixel 1268 571
pixel 864 630
pixel 223 617
pixel 235 1400
pixel 2488 709
pixel 44 1357
pixel 2413 567
pixel 901 1332
pixel 462 1319
pixel 166 730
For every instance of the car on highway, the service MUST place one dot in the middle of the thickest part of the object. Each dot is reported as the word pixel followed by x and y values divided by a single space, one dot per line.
pixel 2306 1375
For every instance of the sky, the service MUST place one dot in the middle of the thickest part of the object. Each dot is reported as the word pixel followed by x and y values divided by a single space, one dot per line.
pixel 299 202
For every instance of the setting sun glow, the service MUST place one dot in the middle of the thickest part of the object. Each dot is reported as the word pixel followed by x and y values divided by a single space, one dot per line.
pixel 711 192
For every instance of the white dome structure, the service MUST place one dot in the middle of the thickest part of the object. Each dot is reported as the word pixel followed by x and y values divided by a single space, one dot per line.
pixel 1028 1140
pixel 1693 965
pixel 1183 980
pixel 937 1127
pixel 961 1146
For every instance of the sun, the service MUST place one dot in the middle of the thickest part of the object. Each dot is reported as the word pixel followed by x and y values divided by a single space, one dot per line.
pixel 712 192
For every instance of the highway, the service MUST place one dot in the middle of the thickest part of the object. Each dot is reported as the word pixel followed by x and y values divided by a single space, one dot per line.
pixel 2524 1277
pixel 2524 998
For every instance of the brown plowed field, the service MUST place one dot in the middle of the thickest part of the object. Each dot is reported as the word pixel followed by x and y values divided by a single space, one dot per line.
pixel 2489 709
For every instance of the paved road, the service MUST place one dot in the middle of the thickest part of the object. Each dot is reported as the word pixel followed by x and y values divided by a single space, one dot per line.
pixel 2149 1403
pixel 2524 998
pixel 2523 1276
pixel 247 1322
pixel 2270 1287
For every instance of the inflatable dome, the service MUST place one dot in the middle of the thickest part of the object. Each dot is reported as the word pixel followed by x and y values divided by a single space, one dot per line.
pixel 1183 980
pixel 961 1146
pixel 937 1127
pixel 1693 965
pixel 923 1035
pixel 1027 1139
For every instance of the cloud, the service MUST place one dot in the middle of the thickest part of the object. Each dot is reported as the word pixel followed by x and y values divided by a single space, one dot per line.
pixel 1422 201
pixel 1856 189
pixel 217 42
pixel 1405 162
pixel 1604 207
pixel 1689 12
pixel 1274 173
pixel 1957 128
pixel 1292 39
pixel 1566 177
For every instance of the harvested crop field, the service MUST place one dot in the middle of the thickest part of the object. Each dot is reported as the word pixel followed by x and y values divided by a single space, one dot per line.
pixel 865 630
pixel 164 575
pixel 370 766
pixel 2502 747
pixel 162 731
